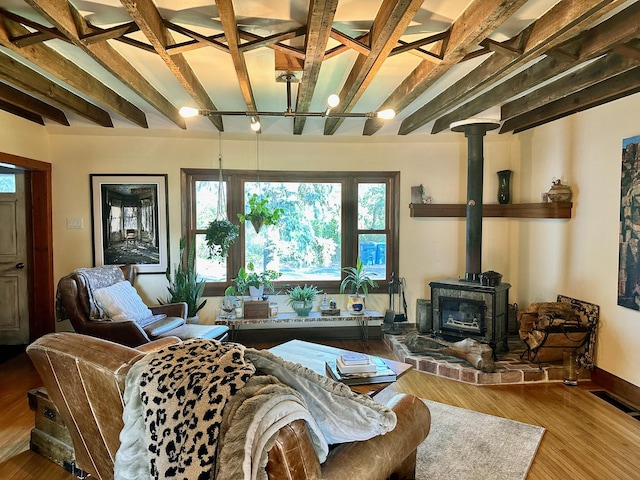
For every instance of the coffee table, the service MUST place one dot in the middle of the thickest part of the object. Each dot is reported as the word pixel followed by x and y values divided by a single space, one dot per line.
pixel 314 356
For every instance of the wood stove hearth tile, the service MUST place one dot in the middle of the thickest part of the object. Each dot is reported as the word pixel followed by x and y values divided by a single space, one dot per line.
pixel 427 365
pixel 536 375
pixel 511 376
pixel 469 375
pixel 490 378
pixel 448 371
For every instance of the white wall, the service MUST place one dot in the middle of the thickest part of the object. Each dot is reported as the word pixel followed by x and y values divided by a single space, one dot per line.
pixel 430 248
pixel 579 257
pixel 23 138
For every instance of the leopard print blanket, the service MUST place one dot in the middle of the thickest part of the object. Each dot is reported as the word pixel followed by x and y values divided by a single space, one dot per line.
pixel 180 397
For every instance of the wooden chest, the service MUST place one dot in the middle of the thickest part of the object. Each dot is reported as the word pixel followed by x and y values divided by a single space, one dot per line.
pixel 256 309
pixel 50 436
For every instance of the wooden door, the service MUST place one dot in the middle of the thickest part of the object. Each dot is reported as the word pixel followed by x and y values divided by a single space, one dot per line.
pixel 14 294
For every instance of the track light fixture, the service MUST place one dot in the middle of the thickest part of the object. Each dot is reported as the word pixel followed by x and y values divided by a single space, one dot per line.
pixel 332 102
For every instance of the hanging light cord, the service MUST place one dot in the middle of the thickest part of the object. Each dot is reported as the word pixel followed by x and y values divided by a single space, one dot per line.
pixel 221 196
pixel 258 165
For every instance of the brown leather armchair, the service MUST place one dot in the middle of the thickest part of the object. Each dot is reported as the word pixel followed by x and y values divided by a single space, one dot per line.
pixel 74 300
pixel 85 379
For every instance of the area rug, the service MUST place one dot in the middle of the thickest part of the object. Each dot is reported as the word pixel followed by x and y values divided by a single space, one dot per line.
pixel 467 445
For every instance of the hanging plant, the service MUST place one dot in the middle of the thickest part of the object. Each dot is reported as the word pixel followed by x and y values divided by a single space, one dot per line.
pixel 260 213
pixel 219 236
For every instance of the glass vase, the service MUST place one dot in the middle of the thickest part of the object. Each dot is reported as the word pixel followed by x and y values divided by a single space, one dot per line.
pixel 504 186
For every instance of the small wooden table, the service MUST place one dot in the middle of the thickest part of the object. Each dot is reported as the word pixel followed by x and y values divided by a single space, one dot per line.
pixel 314 356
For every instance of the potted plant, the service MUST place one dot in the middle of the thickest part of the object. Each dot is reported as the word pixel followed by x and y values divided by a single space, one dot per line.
pixel 255 282
pixel 219 236
pixel 184 286
pixel 260 213
pixel 301 299
pixel 356 279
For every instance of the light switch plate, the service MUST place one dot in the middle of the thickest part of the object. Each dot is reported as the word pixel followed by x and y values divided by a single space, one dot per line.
pixel 74 223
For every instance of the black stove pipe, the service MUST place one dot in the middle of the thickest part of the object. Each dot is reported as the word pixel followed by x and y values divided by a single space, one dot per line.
pixel 474 130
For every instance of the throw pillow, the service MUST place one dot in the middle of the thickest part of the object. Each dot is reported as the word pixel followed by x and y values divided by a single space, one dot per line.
pixel 120 301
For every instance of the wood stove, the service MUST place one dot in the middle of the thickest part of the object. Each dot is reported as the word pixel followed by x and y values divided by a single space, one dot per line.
pixel 463 309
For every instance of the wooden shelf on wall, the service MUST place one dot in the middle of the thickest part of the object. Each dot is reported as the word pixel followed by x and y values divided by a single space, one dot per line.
pixel 511 210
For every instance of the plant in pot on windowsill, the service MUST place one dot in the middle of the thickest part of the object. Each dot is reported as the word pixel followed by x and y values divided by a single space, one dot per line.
pixel 356 279
pixel 219 236
pixel 184 286
pixel 255 282
pixel 260 213
pixel 301 299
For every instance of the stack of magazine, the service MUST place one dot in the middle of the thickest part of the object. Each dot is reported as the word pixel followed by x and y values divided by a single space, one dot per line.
pixel 360 369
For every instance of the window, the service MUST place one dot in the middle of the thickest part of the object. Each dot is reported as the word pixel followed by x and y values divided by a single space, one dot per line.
pixel 7 183
pixel 330 219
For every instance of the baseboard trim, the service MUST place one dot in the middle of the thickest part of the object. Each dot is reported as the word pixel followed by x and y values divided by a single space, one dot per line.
pixel 616 385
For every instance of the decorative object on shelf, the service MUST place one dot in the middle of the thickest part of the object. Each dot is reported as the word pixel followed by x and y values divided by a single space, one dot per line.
pixel 260 212
pixel 356 279
pixel 559 193
pixel 419 195
pixel 184 286
pixel 504 186
pixel 331 310
pixel 256 282
pixel 220 233
pixel 231 306
pixel 301 299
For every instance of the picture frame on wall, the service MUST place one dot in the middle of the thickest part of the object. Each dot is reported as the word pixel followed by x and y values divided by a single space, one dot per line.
pixel 130 221
pixel 629 237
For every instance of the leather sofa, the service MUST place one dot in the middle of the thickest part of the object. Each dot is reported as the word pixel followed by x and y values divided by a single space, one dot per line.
pixel 75 301
pixel 85 378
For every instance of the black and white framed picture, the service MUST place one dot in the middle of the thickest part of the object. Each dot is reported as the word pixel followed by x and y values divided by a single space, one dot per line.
pixel 129 219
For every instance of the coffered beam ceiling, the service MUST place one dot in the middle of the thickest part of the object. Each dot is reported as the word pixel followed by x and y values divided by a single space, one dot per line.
pixel 65 62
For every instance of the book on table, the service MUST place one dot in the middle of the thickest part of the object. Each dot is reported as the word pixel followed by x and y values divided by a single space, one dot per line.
pixel 354 358
pixel 366 367
pixel 383 374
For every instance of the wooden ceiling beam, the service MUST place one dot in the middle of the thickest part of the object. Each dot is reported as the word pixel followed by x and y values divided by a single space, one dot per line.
pixel 230 28
pixel 561 22
pixel 390 23
pixel 476 23
pixel 28 80
pixel 21 112
pixel 595 72
pixel 621 28
pixel 614 88
pixel 441 38
pixel 147 17
pixel 294 52
pixel 103 34
pixel 319 20
pixel 26 102
pixel 210 41
pixel 357 44
pixel 272 39
pixel 361 43
pixel 80 33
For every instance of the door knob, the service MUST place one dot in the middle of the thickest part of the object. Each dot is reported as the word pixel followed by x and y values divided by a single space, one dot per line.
pixel 20 266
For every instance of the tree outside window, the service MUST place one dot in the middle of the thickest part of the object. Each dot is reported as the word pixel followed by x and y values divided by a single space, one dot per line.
pixel 330 219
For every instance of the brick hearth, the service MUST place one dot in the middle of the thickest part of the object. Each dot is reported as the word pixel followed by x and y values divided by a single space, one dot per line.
pixel 510 369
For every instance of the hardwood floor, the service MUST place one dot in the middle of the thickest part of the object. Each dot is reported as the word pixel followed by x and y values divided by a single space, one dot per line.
pixel 585 438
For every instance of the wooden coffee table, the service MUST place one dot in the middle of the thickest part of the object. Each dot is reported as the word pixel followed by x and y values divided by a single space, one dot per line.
pixel 314 356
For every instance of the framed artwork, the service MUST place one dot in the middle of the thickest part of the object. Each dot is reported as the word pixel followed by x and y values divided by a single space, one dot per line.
pixel 129 220
pixel 629 234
